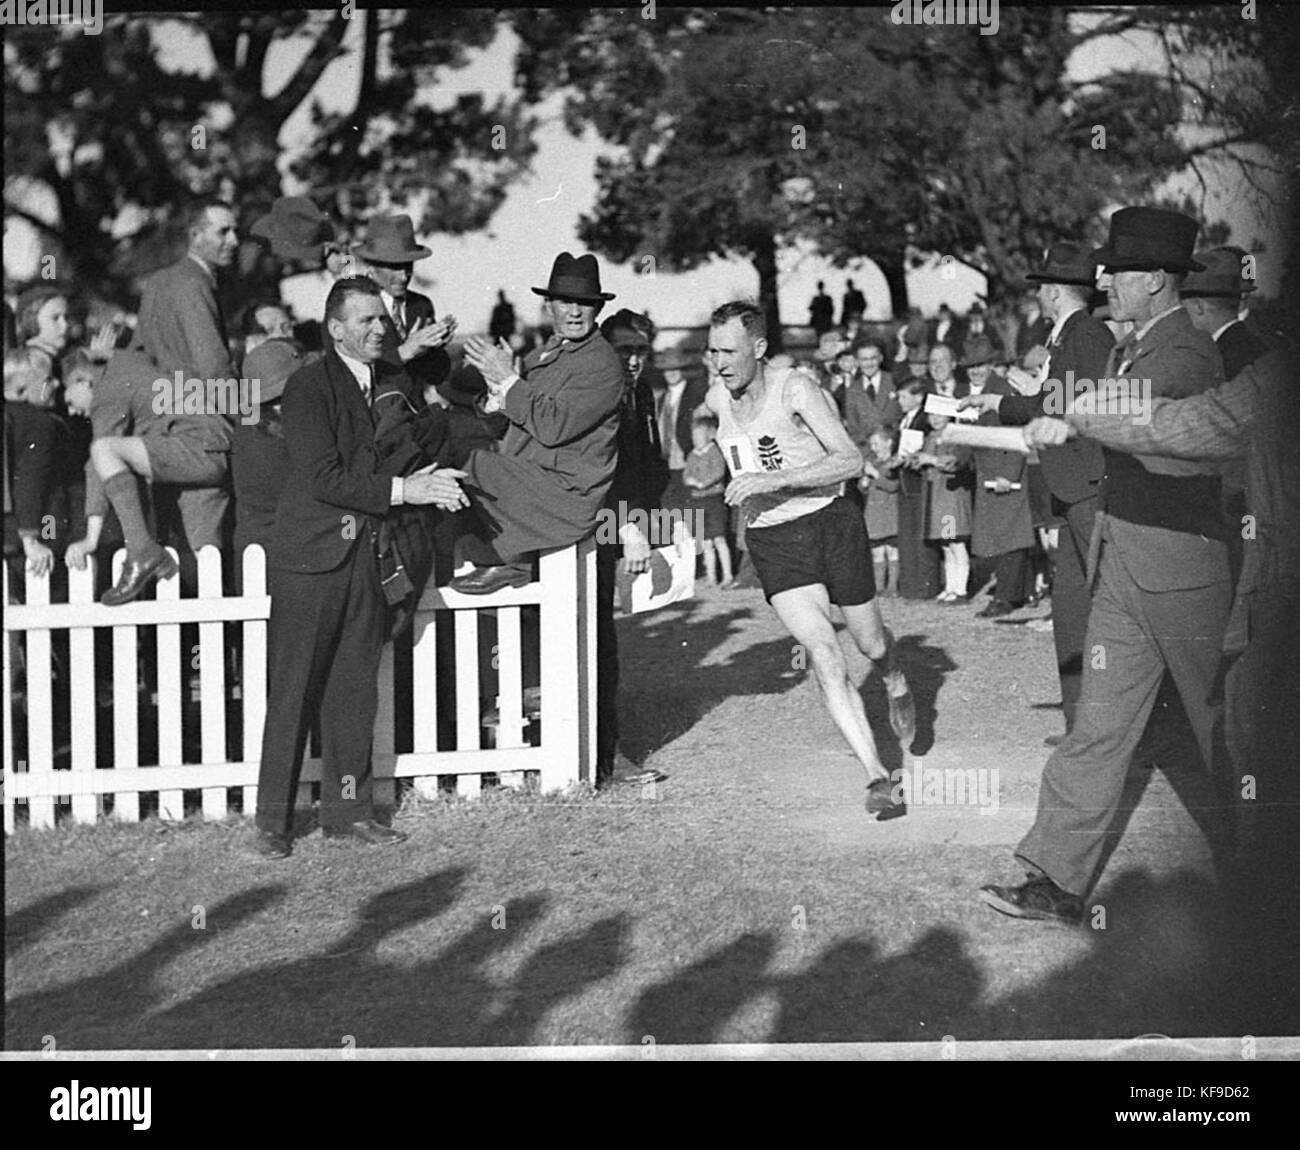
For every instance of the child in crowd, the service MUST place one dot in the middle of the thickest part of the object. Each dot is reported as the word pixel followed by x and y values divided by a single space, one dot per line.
pixel 948 510
pixel 879 485
pixel 705 478
pixel 38 514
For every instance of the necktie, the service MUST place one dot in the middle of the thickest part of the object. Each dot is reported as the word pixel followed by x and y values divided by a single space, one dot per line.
pixel 399 319
pixel 667 424
pixel 871 389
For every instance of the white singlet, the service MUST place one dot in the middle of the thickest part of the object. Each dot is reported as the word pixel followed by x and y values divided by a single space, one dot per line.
pixel 774 439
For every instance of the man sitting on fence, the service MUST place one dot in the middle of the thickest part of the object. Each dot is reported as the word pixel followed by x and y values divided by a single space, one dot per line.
pixel 327 624
pixel 546 486
pixel 182 332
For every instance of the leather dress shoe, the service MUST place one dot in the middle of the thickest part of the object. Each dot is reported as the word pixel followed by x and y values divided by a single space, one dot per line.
pixel 995 610
pixel 485 580
pixel 369 831
pixel 1039 898
pixel 881 803
pixel 271 845
pixel 137 574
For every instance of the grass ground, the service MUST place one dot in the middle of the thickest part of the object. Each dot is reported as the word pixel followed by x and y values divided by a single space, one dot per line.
pixel 746 899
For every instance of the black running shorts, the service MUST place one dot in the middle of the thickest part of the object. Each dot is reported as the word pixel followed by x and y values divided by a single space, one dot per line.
pixel 829 546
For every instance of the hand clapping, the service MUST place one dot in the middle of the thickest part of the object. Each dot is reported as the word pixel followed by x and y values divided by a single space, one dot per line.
pixel 495 361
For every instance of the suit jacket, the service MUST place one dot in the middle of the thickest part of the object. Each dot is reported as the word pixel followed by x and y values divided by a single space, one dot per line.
pixel 1238 348
pixel 954 337
pixel 1179 361
pixel 863 415
pixel 1072 471
pixel 642 471
pixel 336 491
pixel 912 482
pixel 692 396
pixel 564 412
pixel 431 368
pixel 181 329
pixel 1001 523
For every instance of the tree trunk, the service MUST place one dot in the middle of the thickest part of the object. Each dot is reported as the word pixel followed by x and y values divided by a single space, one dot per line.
pixel 765 265
pixel 896 277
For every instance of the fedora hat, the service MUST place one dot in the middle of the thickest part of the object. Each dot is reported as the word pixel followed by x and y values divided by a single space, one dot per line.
pixel 464 386
pixel 295 227
pixel 980 351
pixel 271 364
pixel 1065 263
pixel 574 277
pixel 391 240
pixel 1223 274
pixel 674 359
pixel 1144 239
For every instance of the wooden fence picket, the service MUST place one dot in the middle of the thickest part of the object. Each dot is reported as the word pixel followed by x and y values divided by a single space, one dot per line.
pixel 173 689
pixel 84 708
pixel 565 598
pixel 126 706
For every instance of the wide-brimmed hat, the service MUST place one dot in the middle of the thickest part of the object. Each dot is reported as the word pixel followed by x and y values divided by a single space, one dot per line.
pixel 1224 274
pixel 830 345
pixel 1065 263
pixel 391 240
pixel 980 350
pixel 271 364
pixel 1146 239
pixel 464 386
pixel 296 228
pixel 675 359
pixel 574 277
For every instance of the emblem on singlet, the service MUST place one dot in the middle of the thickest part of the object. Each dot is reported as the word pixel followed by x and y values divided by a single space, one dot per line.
pixel 769 453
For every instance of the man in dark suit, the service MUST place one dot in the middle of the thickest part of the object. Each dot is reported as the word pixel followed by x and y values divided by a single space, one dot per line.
pixel 1160 568
pixel 675 415
pixel 1077 347
pixel 415 340
pixel 546 486
pixel 821 311
pixel 868 399
pixel 943 377
pixel 1213 300
pixel 182 332
pixel 327 623
pixel 854 305
pixel 946 329
pixel 637 486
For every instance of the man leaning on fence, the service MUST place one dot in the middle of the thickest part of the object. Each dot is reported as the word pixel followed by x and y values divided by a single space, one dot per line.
pixel 327 625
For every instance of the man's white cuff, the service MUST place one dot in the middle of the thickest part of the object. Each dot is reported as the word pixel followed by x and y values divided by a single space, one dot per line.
pixel 398 496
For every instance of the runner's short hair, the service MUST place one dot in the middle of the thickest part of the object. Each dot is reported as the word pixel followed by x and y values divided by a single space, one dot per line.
pixel 749 313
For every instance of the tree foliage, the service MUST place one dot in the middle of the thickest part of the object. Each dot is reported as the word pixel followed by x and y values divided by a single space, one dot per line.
pixel 742 132
pixel 117 137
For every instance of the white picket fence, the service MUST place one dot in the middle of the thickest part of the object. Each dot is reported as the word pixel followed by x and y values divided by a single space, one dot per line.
pixel 70 779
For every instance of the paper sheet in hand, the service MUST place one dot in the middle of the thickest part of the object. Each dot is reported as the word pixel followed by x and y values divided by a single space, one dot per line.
pixel 993 438
pixel 670 579
pixel 946 405
pixel 910 441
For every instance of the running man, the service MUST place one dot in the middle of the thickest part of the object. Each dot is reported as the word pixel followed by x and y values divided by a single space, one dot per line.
pixel 789 456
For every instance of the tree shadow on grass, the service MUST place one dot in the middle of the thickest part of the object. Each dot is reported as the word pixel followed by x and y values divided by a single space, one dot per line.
pixel 24 927
pixel 351 995
pixel 1172 959
pixel 108 1010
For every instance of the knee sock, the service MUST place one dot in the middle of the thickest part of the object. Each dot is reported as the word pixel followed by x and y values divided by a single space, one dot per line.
pixel 892 583
pixel 123 492
pixel 878 569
